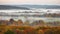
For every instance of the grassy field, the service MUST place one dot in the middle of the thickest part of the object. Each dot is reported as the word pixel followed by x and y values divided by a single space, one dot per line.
pixel 28 30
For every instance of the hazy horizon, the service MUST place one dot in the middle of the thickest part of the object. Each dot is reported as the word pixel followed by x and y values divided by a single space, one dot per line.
pixel 32 2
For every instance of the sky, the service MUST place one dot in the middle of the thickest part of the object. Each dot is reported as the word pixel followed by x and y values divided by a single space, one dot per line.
pixel 38 2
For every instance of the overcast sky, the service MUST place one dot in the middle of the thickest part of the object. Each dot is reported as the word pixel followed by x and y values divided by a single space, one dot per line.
pixel 18 2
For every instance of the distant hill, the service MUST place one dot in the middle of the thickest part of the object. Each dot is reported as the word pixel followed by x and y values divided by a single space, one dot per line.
pixel 28 7
pixel 4 7
pixel 42 6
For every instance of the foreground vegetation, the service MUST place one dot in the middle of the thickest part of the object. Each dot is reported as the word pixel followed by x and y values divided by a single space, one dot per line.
pixel 28 30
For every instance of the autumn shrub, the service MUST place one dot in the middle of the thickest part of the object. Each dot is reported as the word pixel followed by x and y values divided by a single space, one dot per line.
pixel 49 31
pixel 9 32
